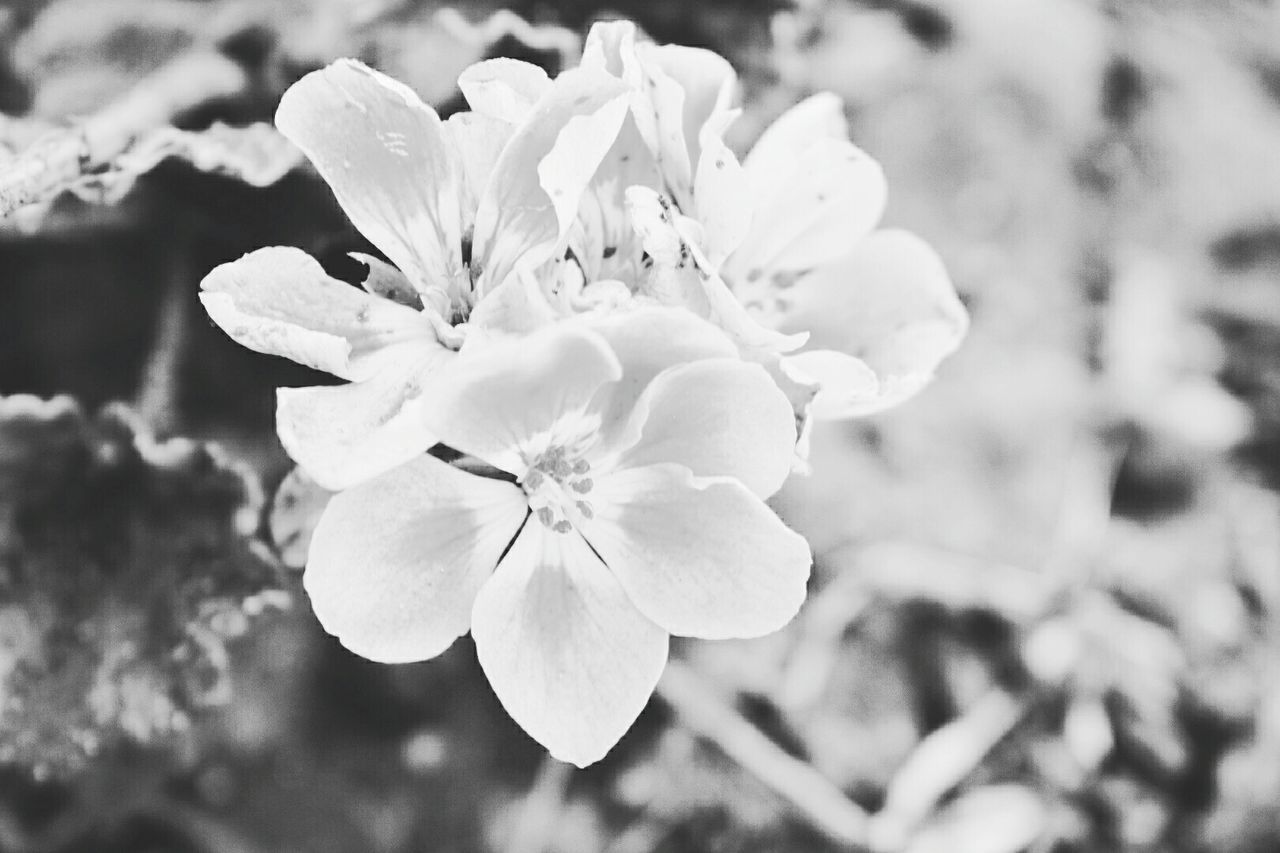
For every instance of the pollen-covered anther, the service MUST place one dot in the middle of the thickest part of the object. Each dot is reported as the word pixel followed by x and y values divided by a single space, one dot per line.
pixel 553 482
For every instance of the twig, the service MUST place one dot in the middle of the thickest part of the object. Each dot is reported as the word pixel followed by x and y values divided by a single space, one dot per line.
pixel 62 156
pixel 941 762
pixel 810 793
pixel 542 806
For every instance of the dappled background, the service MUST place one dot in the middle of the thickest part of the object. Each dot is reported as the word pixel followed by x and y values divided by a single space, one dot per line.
pixel 1045 613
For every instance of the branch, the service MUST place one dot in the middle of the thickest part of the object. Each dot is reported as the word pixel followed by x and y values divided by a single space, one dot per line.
pixel 810 793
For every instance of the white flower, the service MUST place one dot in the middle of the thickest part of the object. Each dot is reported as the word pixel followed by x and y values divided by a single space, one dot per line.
pixel 779 249
pixel 627 505
pixel 461 207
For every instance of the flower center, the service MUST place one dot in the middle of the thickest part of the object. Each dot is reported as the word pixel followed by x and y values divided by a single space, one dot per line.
pixel 556 485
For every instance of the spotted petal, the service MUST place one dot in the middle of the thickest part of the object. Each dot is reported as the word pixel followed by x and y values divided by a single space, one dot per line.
pixel 700 557
pixel 783 143
pixel 706 79
pixel 567 653
pixel 395 564
pixel 721 191
pixel 280 301
pixel 383 153
pixel 811 213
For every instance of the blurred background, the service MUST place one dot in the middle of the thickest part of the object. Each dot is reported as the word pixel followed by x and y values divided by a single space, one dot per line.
pixel 1045 613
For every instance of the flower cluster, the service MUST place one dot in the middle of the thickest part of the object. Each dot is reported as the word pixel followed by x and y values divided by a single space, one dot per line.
pixel 619 331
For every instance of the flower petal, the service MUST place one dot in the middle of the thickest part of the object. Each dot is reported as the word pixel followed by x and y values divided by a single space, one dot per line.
pixel 384 154
pixel 610 46
pixel 510 391
pixel 811 213
pixel 783 143
pixel 681 275
pixel 280 301
pixel 477 142
pixel 532 196
pixel 700 557
pixel 889 303
pixel 721 191
pixel 395 563
pixel 568 655
pixel 342 435
pixel 846 385
pixel 503 88
pixel 659 113
pixel 649 339
pixel 718 418
pixel 707 80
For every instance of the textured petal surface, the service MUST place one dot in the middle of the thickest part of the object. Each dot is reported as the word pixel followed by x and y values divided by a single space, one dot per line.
pixel 702 558
pixel 716 417
pixel 503 88
pixel 395 564
pixel 707 80
pixel 512 391
pixel 721 191
pixel 832 195
pixel 280 301
pixel 566 651
pixel 533 194
pixel 344 434
pixel 783 143
pixel 384 154
pixel 889 303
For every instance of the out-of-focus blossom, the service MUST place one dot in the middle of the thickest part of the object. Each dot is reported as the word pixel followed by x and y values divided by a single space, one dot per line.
pixel 623 502
pixel 458 206
pixel 780 248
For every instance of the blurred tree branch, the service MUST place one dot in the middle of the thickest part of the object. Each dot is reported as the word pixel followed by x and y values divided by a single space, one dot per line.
pixel 823 805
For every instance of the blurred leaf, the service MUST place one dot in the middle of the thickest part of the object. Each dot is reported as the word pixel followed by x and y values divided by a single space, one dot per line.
pixel 992 819
pixel 1087 732
pixel 903 571
pixel 127 566
pixel 256 154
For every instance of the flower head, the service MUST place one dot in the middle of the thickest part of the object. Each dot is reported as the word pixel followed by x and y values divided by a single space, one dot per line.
pixel 631 508
pixel 779 249
pixel 458 206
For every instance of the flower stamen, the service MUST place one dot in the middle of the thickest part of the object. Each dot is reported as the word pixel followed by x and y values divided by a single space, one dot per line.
pixel 553 484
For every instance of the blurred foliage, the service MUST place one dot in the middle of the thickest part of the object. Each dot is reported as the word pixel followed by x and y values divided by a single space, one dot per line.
pixel 126 569
pixel 1046 606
